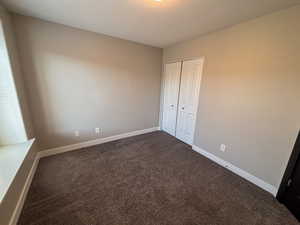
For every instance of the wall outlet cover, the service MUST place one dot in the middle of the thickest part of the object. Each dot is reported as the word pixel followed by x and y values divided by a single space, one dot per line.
pixel 222 148
pixel 76 133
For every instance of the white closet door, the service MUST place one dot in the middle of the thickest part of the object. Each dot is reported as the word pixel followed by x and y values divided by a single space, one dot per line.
pixel 188 100
pixel 171 92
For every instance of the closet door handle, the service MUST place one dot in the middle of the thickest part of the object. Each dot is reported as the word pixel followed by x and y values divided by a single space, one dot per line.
pixel 172 105
pixel 182 108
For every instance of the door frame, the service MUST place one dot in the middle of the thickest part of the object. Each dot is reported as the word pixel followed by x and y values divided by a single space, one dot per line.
pixel 295 155
pixel 202 58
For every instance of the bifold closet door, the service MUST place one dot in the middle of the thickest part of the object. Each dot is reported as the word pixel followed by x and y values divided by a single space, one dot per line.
pixel 188 100
pixel 171 92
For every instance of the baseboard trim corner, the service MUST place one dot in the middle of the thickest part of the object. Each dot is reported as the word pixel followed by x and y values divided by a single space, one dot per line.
pixel 18 209
pixel 242 173
pixel 86 144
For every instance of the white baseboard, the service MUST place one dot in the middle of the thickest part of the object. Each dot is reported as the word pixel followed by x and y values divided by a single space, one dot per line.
pixel 20 203
pixel 253 179
pixel 85 144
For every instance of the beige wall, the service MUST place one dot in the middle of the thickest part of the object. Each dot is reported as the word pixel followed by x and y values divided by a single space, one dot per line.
pixel 80 80
pixel 250 92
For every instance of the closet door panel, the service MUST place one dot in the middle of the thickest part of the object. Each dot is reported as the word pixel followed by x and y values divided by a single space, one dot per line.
pixel 171 92
pixel 188 100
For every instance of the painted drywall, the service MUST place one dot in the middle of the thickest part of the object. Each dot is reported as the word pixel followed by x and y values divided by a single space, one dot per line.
pixel 139 20
pixel 79 81
pixel 250 92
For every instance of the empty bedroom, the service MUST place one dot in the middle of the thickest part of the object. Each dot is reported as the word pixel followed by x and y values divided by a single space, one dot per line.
pixel 149 112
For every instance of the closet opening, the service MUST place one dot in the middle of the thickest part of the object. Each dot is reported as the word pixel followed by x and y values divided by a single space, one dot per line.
pixel 181 91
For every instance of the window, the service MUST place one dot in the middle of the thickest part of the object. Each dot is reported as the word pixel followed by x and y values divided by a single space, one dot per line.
pixel 12 129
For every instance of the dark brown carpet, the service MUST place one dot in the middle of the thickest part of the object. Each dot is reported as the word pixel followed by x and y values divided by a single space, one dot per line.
pixel 151 179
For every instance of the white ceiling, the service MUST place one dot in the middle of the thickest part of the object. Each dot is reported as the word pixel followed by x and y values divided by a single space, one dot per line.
pixel 150 22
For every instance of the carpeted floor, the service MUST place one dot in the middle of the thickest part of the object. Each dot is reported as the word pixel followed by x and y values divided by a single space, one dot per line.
pixel 151 179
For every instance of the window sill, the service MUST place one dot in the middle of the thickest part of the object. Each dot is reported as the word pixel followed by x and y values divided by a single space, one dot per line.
pixel 11 159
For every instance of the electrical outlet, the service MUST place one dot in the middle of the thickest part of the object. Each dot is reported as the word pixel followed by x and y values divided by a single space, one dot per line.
pixel 222 148
pixel 76 133
pixel 97 130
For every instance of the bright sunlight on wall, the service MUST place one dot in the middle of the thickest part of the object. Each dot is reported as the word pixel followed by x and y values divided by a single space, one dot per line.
pixel 12 129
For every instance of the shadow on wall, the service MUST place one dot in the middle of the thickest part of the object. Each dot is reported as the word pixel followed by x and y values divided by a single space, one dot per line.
pixel 79 80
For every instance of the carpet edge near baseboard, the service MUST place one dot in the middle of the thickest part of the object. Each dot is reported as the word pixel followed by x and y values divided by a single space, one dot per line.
pixel 238 171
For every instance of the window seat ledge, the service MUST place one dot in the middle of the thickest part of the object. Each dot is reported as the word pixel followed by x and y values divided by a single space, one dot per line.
pixel 11 159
